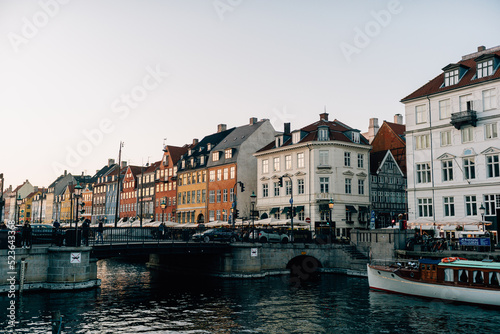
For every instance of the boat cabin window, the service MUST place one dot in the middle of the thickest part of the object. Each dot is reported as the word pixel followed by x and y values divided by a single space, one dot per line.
pixel 448 275
pixel 463 276
pixel 494 278
pixel 478 277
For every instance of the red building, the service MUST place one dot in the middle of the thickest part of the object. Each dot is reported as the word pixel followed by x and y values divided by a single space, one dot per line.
pixel 391 136
pixel 128 194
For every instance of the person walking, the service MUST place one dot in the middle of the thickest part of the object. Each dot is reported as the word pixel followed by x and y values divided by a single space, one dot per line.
pixel 161 229
pixel 86 232
pixel 27 235
pixel 100 230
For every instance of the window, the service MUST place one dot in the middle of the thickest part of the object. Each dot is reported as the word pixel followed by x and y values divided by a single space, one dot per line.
pixel 450 78
pixel 265 166
pixel 420 113
pixel 423 173
pixel 323 133
pixel 361 187
pixel 469 168
pixel 490 131
pixel 300 160
pixel 232 172
pixel 422 141
pixel 446 138
pixel 212 176
pixel 425 207
pixel 324 184
pixel 288 162
pixel 211 196
pixel 470 206
pixel 444 109
pixel 211 215
pixel 231 195
pixel 490 205
pixel 484 68
pixel 355 137
pixel 276 164
pixel 449 206
pixel 228 153
pixel 218 196
pixel 463 101
pixel 348 216
pixel 218 215
pixel 215 156
pixel 489 99
pixel 347 159
pixel 467 134
pixel 447 170
pixel 295 137
pixel 300 186
pixel 276 189
pixel 198 196
pixel 361 160
pixel 226 173
pixel 288 188
pixel 265 190
pixel 323 158
pixel 219 174
pixel 492 166
pixel 348 186
pixel 224 195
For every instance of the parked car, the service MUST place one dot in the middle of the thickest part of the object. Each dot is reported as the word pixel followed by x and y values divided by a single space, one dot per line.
pixel 273 236
pixel 217 234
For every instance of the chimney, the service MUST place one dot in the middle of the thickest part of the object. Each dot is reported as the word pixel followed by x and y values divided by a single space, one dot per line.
pixel 65 172
pixel 323 116
pixel 221 127
pixel 195 141
pixel 111 162
pixel 372 129
pixel 398 119
pixel 286 128
pixel 481 48
pixel 253 120
pixel 124 164
pixel 97 171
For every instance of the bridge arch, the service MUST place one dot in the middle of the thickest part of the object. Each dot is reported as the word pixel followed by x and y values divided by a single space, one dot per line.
pixel 304 268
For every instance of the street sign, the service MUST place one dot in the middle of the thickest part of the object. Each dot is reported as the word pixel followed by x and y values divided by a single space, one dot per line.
pixel 291 200
pixel 253 252
pixel 373 214
pixel 76 258
pixel 308 220
pixel 474 241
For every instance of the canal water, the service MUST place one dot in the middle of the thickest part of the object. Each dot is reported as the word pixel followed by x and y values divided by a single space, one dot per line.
pixel 134 299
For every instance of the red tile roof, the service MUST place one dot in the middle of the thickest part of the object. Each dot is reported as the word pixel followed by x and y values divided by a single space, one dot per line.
pixel 399 129
pixel 436 85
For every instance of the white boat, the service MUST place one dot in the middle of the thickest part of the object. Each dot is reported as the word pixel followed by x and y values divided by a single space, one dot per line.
pixel 452 279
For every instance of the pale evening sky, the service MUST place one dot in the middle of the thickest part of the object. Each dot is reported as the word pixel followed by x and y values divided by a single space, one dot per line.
pixel 77 77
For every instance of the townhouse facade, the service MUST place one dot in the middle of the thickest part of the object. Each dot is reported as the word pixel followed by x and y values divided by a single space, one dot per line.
pixel 146 192
pixel 453 147
pixel 322 163
pixel 128 195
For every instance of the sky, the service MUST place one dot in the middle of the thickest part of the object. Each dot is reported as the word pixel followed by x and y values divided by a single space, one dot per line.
pixel 79 77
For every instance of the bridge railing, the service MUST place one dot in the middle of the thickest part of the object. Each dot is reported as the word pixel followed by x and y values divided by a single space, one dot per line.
pixel 135 235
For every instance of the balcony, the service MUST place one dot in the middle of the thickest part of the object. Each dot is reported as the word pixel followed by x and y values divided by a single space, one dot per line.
pixel 463 118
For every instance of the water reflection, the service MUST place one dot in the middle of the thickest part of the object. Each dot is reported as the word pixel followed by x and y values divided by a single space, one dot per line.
pixel 133 299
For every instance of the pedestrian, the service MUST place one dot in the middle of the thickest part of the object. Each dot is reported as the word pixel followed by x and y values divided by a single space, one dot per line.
pixel 26 235
pixel 85 232
pixel 161 229
pixel 100 230
pixel 55 233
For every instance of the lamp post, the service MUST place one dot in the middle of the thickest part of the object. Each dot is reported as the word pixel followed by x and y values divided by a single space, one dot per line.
pixel 19 201
pixel 78 194
pixel 253 199
pixel 330 206
pixel 163 206
pixel 482 210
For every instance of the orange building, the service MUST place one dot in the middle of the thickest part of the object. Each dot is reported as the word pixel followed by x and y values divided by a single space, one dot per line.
pixel 128 195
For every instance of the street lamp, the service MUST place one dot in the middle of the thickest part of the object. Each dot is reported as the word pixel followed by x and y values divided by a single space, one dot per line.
pixel 163 206
pixel 78 194
pixel 19 201
pixel 253 199
pixel 482 210
pixel 330 205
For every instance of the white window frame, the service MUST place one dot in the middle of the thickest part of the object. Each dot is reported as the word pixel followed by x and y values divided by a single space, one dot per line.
pixel 469 164
pixel 447 170
pixel 265 190
pixel 490 131
pixel 348 186
pixel 288 162
pixel 444 109
pixel 265 166
pixel 446 138
pixel 484 68
pixel 324 185
pixel 323 158
pixel 347 159
pixel 228 153
pixel 492 165
pixel 276 164
pixel 361 160
pixel 463 101
pixel 425 207
pixel 361 187
pixel 421 114
pixel 470 205
pixel 489 99
pixel 300 186
pixel 467 134
pixel 422 142
pixel 300 160
pixel 451 78
pixel 423 171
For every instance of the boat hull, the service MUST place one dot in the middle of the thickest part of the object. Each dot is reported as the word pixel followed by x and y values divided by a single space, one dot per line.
pixel 387 280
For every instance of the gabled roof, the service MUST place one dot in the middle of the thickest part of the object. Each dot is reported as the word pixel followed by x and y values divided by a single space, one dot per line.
pixel 398 129
pixel 436 85
pixel 176 152
pixel 154 166
pixel 378 159
pixel 136 170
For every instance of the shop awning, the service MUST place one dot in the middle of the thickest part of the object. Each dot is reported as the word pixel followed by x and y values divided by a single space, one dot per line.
pixel 274 210
pixel 351 209
pixel 363 208
pixel 285 210
pixel 299 208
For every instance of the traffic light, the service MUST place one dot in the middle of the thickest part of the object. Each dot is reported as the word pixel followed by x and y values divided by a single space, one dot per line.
pixel 236 213
pixel 242 186
pixel 294 213
pixel 280 181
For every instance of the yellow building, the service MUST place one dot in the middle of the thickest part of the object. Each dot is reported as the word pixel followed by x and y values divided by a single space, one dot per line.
pixel 67 205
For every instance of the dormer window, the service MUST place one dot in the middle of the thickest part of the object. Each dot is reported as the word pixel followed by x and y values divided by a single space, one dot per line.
pixel 451 78
pixel 209 146
pixel 189 152
pixel 484 68
pixel 192 162
pixel 183 164
pixel 323 133
pixel 202 159
pixel 215 156
pixel 279 141
pixel 453 73
pixel 355 137
pixel 228 154
pixel 295 137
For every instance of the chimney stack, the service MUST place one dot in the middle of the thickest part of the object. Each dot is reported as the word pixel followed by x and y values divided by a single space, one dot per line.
pixel 481 48
pixel 286 128
pixel 124 164
pixel 195 141
pixel 111 162
pixel 221 127
pixel 398 119
pixel 323 116
pixel 253 120
pixel 372 129
pixel 65 172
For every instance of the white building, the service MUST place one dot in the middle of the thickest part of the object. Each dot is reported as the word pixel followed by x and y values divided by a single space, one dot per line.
pixel 453 147
pixel 326 160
